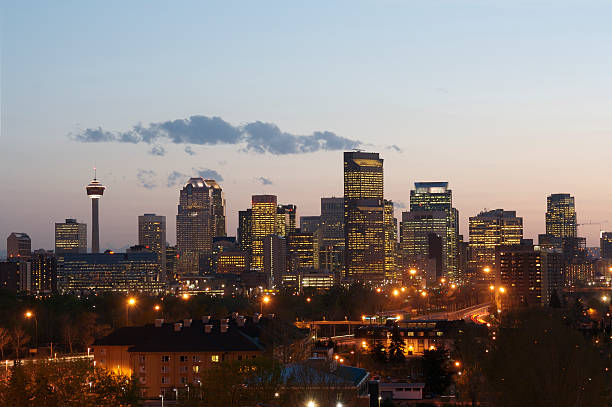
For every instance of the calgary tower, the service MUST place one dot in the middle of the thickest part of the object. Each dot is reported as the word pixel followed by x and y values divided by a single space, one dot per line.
pixel 95 190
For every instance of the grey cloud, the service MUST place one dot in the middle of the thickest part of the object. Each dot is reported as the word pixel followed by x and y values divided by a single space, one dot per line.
pixel 158 151
pixel 189 150
pixel 175 178
pixel 395 148
pixel 257 137
pixel 208 174
pixel 264 180
pixel 146 178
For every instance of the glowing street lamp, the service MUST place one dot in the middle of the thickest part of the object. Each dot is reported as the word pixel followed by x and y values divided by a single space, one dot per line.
pixel 486 269
pixel 156 307
pixel 424 293
pixel 443 280
pixel 492 287
pixel 185 296
pixel 502 290
pixel 395 292
pixel 264 300
pixel 412 272
pixel 311 404
pixel 30 315
pixel 604 298
pixel 453 286
pixel 129 303
pixel 308 299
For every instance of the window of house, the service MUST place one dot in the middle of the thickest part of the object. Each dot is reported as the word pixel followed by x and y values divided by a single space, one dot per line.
pixel 214 358
pixel 195 359
pixel 164 380
pixel 183 358
pixel 183 369
pixel 165 358
pixel 239 357
pixel 195 368
pixel 440 333
pixel 183 380
pixel 164 369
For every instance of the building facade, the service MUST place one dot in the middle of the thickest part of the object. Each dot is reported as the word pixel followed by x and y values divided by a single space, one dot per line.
pixel 331 253
pixel 70 237
pixel 489 230
pixel 364 234
pixel 605 242
pixel 152 235
pixel 263 223
pixel 561 216
pixel 18 246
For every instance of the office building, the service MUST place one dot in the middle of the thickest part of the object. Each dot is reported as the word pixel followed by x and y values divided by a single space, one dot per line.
pixel 561 216
pixel 99 272
pixel 489 230
pixel 285 219
pixel 9 276
pixel 331 253
pixel 390 226
pixel 70 237
pixel 605 248
pixel 364 234
pixel 302 251
pixel 95 190
pixel 194 226
pixel 263 223
pixel 316 279
pixel 275 259
pixel 18 246
pixel 423 235
pixel 171 262
pixel 218 208
pixel 244 232
pixel 152 235
pixel 309 224
pixel 43 272
pixel 437 197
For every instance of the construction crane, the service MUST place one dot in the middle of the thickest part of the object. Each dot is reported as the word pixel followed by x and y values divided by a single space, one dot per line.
pixel 593 223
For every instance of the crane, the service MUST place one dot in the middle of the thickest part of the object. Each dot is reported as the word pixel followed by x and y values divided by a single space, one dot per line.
pixel 593 223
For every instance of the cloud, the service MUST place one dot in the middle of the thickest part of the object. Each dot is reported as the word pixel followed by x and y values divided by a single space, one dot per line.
pixel 257 137
pixel 189 151
pixel 146 178
pixel 395 147
pixel 158 151
pixel 399 205
pixel 175 178
pixel 264 181
pixel 208 174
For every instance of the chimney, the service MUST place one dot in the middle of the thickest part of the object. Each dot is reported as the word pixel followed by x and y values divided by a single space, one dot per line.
pixel 256 317
pixel 159 322
pixel 240 320
pixel 208 328
pixel 205 319
pixel 187 322
pixel 224 328
pixel 177 327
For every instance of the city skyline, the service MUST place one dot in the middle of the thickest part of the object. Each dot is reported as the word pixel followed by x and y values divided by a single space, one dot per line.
pixel 504 104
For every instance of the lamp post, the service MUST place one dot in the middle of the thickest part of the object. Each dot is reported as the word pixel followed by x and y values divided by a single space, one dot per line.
pixel 266 300
pixel 162 400
pixel 30 315
pixel 130 302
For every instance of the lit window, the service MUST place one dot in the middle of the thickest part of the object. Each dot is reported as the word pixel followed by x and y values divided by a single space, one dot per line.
pixel 195 369
pixel 214 358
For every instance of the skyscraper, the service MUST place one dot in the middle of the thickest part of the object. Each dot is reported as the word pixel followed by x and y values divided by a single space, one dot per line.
pixel 520 272
pixel 390 226
pixel 286 219
pixel 489 230
pixel 561 216
pixel 364 216
pixel 332 234
pixel 274 258
pixel 605 242
pixel 263 223
pixel 309 224
pixel 436 197
pixel 218 208
pixel 245 232
pixel 152 235
pixel 194 230
pixel 18 246
pixel 70 237
pixel 44 271
pixel 95 190
pixel 420 233
pixel 302 251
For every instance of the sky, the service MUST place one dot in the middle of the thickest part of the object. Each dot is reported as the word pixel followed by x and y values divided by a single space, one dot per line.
pixel 508 101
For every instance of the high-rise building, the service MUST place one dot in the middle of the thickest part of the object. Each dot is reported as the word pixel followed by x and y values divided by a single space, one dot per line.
pixel 70 237
pixel 390 226
pixel 218 208
pixel 263 223
pixel 18 246
pixel 520 271
pixel 245 230
pixel 489 230
pixel 437 197
pixel 286 219
pixel 561 216
pixel 364 232
pixel 194 226
pixel 95 190
pixel 309 224
pixel 152 235
pixel 332 235
pixel 171 261
pixel 44 272
pixel 274 259
pixel 423 234
pixel 605 248
pixel 302 251
pixel 98 272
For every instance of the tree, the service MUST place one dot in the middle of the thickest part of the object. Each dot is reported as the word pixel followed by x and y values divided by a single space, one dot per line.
pixel 20 339
pixel 470 349
pixel 396 347
pixel 378 353
pixel 5 339
pixel 436 370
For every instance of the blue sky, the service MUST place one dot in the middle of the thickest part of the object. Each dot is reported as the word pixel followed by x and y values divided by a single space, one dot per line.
pixel 507 100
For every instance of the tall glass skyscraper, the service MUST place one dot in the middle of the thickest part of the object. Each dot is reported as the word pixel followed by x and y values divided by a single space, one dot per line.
pixel 263 223
pixel 561 216
pixel 436 197
pixel 152 235
pixel 70 237
pixel 332 234
pixel 364 232
pixel 489 230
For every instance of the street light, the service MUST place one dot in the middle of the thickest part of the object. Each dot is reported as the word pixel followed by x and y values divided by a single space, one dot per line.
pixel 487 269
pixel 502 290
pixel 185 296
pixel 130 302
pixel 604 298
pixel 311 404
pixel 264 300
pixel 412 272
pixel 157 308
pixel 162 399
pixel 395 292
pixel 492 287
pixel 30 315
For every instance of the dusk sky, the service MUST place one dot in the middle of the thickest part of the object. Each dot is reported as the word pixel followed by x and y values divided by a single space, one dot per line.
pixel 507 101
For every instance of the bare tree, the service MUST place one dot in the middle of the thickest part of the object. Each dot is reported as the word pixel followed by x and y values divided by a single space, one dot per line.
pixel 20 339
pixel 5 339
